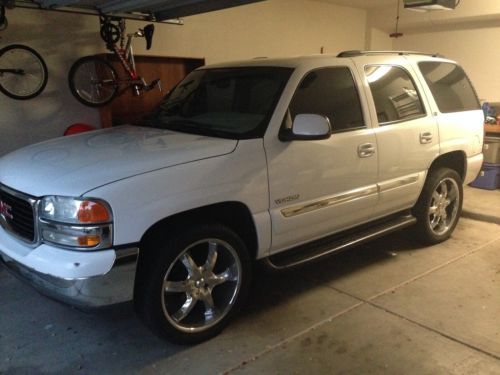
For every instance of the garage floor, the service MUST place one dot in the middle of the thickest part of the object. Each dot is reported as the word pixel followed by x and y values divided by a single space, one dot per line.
pixel 385 307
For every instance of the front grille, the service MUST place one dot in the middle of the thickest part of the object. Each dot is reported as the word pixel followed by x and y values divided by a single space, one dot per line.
pixel 19 218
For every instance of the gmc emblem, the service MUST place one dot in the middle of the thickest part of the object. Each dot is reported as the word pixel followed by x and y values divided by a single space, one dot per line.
pixel 6 210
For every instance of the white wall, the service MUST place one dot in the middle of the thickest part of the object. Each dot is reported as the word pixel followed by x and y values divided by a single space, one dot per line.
pixel 469 34
pixel 60 39
pixel 270 28
pixel 474 49
pixel 378 40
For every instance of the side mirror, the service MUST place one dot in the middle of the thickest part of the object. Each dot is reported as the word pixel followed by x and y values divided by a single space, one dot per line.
pixel 308 127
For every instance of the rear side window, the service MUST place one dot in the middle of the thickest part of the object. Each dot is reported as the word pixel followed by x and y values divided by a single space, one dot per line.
pixel 394 93
pixel 330 92
pixel 450 86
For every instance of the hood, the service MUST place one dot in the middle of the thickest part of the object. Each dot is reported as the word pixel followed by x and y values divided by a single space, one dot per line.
pixel 76 164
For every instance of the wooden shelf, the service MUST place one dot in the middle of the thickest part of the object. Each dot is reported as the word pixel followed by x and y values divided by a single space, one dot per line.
pixel 492 129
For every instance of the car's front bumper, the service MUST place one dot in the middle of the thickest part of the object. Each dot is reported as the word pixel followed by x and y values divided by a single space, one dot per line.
pixel 92 279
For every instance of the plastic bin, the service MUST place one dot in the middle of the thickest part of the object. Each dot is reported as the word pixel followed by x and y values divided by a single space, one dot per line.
pixel 489 177
pixel 491 150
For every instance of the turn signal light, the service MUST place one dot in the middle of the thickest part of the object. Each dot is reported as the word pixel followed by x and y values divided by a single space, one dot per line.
pixel 89 241
pixel 93 212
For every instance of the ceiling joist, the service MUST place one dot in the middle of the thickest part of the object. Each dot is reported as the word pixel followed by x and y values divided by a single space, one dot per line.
pixel 168 11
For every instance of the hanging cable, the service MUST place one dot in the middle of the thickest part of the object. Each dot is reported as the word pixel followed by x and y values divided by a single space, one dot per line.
pixel 397 34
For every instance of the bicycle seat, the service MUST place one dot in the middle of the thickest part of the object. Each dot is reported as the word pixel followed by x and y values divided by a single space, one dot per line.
pixel 148 34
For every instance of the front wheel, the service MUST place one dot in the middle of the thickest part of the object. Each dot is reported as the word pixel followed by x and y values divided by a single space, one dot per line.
pixel 439 206
pixel 23 73
pixel 194 284
pixel 93 81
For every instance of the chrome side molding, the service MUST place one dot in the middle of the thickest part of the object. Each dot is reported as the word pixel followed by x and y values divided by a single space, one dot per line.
pixel 330 201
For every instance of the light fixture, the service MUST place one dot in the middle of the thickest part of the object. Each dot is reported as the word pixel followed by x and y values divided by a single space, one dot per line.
pixel 427 5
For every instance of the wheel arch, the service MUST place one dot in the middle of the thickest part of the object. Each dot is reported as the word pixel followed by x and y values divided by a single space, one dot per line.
pixel 235 215
pixel 456 160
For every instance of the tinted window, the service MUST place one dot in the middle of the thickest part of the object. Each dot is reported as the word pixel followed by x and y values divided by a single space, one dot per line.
pixel 450 86
pixel 330 92
pixel 396 97
pixel 231 103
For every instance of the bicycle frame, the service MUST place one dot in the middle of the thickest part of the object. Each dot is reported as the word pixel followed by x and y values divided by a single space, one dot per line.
pixel 126 58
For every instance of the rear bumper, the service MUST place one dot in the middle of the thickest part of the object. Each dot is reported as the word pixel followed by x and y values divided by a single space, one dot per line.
pixel 115 286
pixel 474 164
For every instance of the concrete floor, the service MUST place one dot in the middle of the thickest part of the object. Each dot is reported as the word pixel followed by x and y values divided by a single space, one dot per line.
pixel 387 307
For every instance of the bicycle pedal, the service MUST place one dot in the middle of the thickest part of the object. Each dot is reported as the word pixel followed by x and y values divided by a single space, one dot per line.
pixel 153 84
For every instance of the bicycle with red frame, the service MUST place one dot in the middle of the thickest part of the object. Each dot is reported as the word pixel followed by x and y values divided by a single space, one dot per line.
pixel 94 81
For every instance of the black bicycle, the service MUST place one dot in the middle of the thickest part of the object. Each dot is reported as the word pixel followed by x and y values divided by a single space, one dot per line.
pixel 23 73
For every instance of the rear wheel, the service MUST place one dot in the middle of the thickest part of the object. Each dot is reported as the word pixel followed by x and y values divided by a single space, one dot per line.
pixel 23 73
pixel 439 206
pixel 196 282
pixel 93 81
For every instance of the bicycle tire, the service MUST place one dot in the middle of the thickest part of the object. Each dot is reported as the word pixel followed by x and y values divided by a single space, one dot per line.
pixel 93 94
pixel 3 19
pixel 34 78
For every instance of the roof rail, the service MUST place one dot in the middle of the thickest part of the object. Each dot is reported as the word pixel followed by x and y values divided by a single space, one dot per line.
pixel 401 53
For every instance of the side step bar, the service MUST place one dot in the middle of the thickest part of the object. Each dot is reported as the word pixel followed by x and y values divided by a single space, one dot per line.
pixel 334 244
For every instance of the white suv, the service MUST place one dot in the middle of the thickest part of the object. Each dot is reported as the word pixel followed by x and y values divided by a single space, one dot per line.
pixel 284 161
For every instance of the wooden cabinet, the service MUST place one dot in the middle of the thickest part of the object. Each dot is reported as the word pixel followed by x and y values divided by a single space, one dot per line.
pixel 493 129
pixel 127 107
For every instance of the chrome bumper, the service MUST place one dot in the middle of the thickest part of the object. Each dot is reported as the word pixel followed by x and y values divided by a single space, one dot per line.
pixel 114 287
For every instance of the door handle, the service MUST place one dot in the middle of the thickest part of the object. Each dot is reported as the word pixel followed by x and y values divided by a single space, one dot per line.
pixel 366 150
pixel 425 137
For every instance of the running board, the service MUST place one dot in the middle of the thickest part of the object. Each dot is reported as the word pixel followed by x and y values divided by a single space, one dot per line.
pixel 334 244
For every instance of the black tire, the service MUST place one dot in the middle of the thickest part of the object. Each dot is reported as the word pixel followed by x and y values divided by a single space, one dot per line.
pixel 184 292
pixel 33 77
pixel 93 81
pixel 439 206
pixel 3 19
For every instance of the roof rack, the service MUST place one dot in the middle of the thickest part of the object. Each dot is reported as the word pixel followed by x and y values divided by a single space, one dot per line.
pixel 401 53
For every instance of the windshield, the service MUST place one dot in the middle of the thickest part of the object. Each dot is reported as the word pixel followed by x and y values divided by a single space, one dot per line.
pixel 232 103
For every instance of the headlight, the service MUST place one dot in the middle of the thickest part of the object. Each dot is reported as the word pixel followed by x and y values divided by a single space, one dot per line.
pixel 75 222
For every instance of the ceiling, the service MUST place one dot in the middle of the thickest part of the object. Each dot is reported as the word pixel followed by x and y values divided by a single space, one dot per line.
pixel 154 10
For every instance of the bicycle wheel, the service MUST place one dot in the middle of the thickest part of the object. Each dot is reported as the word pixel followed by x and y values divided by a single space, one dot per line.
pixel 93 81
pixel 23 73
pixel 3 19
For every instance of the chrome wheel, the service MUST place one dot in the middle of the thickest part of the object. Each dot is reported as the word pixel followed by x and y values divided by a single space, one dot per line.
pixel 439 206
pixel 444 206
pixel 201 285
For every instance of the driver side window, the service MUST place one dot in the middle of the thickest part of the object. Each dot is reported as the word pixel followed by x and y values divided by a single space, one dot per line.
pixel 329 92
